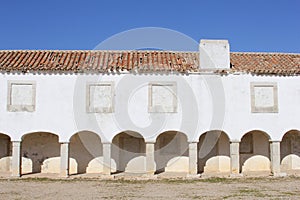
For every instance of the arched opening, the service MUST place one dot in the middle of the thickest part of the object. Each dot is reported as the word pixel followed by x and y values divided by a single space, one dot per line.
pixel 38 147
pixel 255 153
pixel 5 153
pixel 171 152
pixel 290 152
pixel 214 152
pixel 128 152
pixel 86 153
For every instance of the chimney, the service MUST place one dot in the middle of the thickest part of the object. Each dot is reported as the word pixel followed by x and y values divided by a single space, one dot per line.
pixel 214 54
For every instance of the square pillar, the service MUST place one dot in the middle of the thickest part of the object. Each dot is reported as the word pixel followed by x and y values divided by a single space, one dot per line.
pixel 275 157
pixel 106 158
pixel 64 159
pixel 193 158
pixel 234 157
pixel 16 159
pixel 150 159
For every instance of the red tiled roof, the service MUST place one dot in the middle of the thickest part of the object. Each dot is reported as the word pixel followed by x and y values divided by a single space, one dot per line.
pixel 143 61
pixel 98 61
pixel 266 63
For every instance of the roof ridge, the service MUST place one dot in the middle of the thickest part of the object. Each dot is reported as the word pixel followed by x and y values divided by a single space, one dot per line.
pixel 266 53
pixel 94 50
pixel 133 51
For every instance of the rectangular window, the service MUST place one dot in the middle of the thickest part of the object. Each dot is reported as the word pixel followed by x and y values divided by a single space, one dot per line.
pixel 264 98
pixel 100 97
pixel 21 96
pixel 162 97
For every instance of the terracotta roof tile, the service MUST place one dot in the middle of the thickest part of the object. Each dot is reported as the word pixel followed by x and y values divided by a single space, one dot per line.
pixel 144 61
pixel 266 63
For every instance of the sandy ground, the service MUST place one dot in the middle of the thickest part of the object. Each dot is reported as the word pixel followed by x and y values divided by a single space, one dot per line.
pixel 212 188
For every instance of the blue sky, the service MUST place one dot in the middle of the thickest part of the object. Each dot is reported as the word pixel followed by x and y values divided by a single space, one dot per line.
pixel 253 25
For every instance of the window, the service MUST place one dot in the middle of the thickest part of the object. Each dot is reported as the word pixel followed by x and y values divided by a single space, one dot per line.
pixel 21 96
pixel 264 98
pixel 100 97
pixel 162 97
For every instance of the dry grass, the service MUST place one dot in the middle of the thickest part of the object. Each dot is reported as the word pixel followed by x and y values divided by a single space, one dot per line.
pixel 176 188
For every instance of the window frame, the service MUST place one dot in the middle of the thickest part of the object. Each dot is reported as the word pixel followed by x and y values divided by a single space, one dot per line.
pixel 21 108
pixel 156 109
pixel 91 109
pixel 270 109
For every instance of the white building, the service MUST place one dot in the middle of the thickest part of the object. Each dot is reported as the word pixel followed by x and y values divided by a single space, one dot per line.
pixel 211 112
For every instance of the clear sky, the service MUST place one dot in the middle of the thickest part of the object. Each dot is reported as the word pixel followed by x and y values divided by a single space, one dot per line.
pixel 249 25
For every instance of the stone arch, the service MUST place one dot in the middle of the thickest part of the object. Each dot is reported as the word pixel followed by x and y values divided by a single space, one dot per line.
pixel 290 152
pixel 255 152
pixel 38 147
pixel 5 152
pixel 171 152
pixel 86 146
pixel 128 152
pixel 214 152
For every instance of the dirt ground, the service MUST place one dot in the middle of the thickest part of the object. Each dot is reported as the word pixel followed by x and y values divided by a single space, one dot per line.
pixel 212 188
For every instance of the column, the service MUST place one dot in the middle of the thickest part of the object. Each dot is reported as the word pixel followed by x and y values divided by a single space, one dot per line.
pixel 16 158
pixel 275 157
pixel 235 157
pixel 150 159
pixel 64 159
pixel 193 158
pixel 106 158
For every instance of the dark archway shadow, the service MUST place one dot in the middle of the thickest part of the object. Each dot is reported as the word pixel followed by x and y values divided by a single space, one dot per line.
pixel 253 144
pixel 39 146
pixel 211 144
pixel 170 145
pixel 84 147
pixel 126 146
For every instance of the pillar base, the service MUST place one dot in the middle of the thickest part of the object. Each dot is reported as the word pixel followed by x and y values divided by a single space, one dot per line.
pixel 107 172
pixel 15 176
pixel 281 174
pixel 150 176
pixel 107 177
pixel 193 176
pixel 150 173
pixel 63 176
pixel 236 175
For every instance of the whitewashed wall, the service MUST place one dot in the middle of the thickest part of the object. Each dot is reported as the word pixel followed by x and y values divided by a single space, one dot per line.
pixel 203 99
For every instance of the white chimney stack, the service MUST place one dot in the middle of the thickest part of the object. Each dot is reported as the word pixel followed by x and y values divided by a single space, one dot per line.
pixel 214 54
